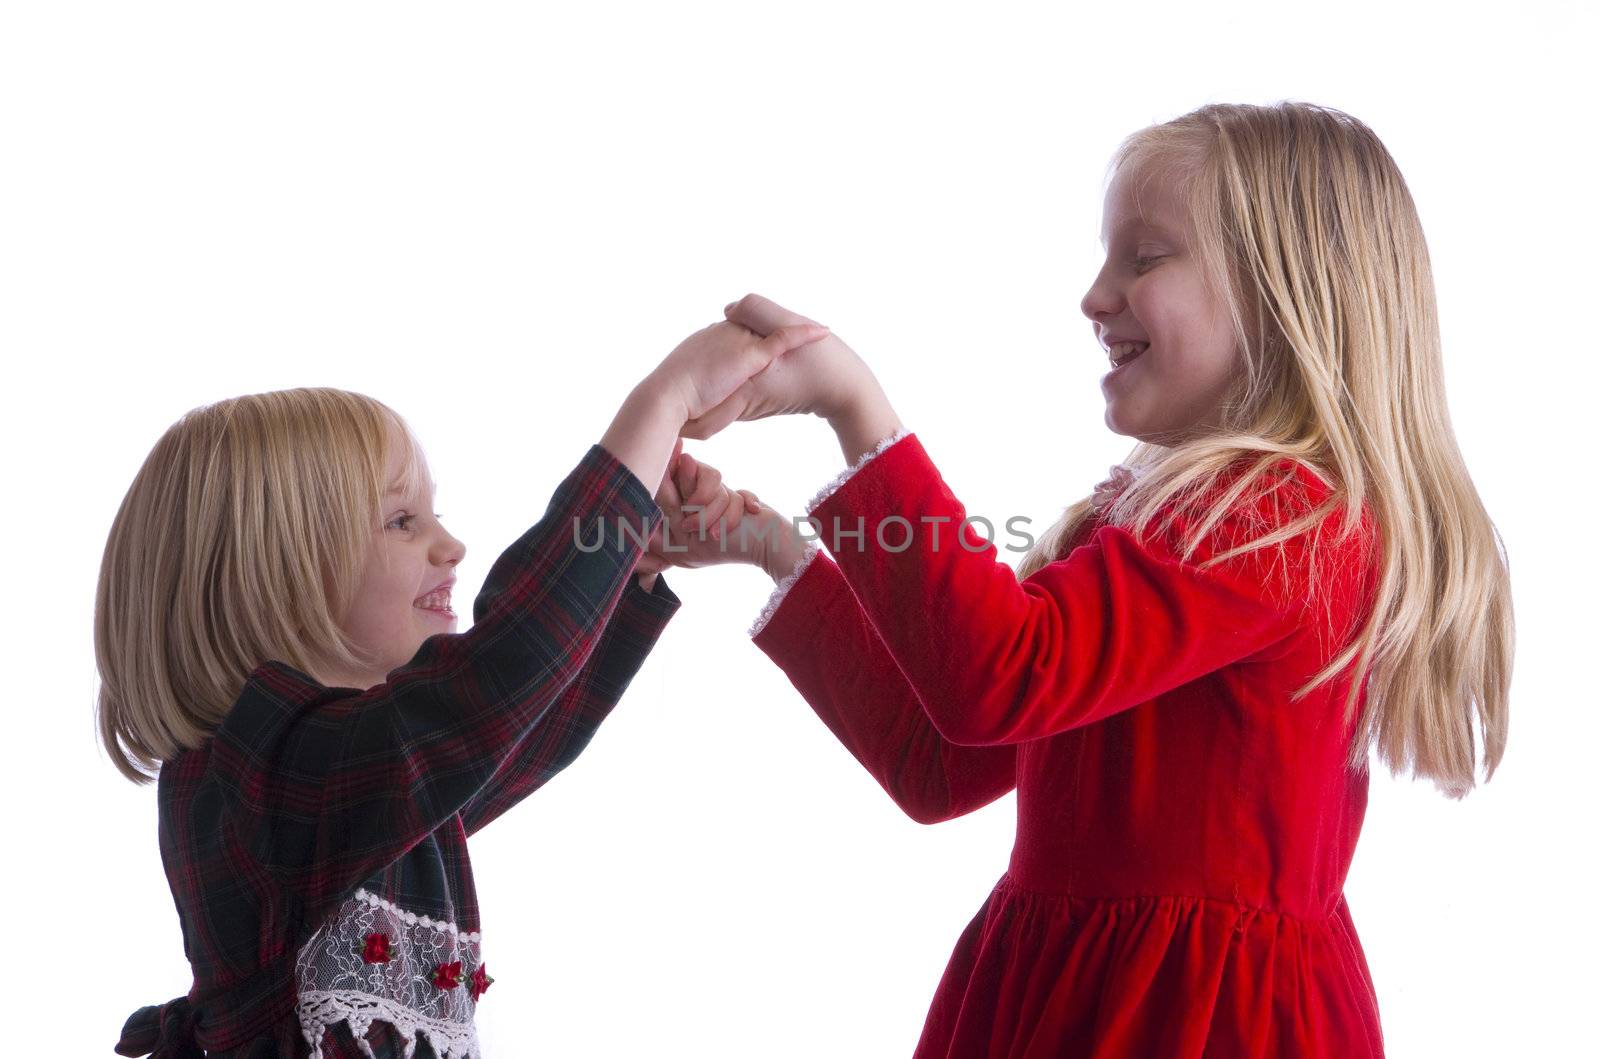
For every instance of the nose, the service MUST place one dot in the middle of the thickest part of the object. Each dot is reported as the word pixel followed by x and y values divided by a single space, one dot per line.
pixel 1102 300
pixel 447 550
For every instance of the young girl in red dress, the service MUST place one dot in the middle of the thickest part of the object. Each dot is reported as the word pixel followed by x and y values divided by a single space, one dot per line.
pixel 275 641
pixel 1183 679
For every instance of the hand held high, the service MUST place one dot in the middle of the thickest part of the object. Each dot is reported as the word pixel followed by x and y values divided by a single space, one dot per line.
pixel 710 365
pixel 821 378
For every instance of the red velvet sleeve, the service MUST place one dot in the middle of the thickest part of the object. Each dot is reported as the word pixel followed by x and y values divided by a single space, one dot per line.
pixel 821 638
pixel 1114 623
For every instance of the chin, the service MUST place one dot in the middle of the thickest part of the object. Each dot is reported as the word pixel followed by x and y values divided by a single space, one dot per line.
pixel 1146 433
pixel 1128 428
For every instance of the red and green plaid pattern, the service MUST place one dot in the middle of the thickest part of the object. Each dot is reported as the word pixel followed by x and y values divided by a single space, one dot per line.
pixel 306 793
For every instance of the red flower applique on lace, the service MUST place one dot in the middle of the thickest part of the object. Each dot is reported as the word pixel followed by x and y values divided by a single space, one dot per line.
pixel 377 949
pixel 447 975
pixel 481 980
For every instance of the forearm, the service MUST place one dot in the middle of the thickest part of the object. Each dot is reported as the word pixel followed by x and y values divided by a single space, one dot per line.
pixel 644 432
pixel 571 722
pixel 864 421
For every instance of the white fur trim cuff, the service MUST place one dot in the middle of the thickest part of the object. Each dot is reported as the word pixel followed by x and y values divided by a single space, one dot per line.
pixel 849 472
pixel 781 589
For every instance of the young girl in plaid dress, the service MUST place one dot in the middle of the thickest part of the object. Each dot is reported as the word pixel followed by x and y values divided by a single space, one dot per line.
pixel 275 640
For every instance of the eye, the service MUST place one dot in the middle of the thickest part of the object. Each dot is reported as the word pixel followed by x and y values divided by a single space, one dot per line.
pixel 1142 263
pixel 402 519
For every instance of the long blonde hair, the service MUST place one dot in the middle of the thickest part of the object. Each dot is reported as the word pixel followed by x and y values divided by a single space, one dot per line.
pixel 241 539
pixel 1305 228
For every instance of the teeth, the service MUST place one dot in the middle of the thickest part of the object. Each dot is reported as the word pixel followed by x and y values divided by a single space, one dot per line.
pixel 439 600
pixel 1121 351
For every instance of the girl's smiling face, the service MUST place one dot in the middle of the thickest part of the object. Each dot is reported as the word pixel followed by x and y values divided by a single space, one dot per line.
pixel 411 556
pixel 1151 290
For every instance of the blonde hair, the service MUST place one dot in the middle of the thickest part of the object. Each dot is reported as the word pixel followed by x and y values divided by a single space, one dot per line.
pixel 1305 228
pixel 241 539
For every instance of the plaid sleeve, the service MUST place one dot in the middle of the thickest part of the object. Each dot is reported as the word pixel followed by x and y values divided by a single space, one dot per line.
pixel 328 785
pixel 570 724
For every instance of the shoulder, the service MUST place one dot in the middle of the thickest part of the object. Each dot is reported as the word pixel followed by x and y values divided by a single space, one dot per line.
pixel 1334 519
pixel 1269 496
pixel 278 706
pixel 1277 524
pixel 272 689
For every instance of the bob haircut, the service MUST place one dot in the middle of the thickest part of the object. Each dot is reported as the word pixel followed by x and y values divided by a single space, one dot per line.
pixel 242 539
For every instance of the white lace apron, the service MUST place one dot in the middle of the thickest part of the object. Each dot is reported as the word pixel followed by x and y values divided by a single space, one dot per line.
pixel 374 960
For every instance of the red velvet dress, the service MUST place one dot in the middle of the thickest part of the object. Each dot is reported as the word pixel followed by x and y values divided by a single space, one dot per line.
pixel 1184 829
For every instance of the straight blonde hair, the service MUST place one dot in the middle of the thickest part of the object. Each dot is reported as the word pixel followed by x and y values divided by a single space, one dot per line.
pixel 242 539
pixel 1305 228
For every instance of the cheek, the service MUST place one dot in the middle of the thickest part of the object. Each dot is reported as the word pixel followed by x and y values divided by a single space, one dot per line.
pixel 1207 369
pixel 383 610
pixel 1195 332
pixel 1190 386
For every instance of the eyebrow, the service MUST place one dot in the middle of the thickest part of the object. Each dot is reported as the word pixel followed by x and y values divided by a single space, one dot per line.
pixel 395 489
pixel 1140 222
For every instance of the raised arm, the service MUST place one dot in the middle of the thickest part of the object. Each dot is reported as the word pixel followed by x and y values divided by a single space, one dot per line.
pixel 328 785
pixel 635 626
pixel 324 786
pixel 1115 623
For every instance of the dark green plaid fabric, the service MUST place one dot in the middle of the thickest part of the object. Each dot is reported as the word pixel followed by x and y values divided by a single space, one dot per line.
pixel 306 793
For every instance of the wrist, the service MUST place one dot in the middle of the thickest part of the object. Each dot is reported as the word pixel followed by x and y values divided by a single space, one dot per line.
pixel 782 553
pixel 645 430
pixel 863 422
pixel 658 393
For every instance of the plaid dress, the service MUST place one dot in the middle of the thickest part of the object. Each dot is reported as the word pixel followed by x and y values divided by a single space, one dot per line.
pixel 316 844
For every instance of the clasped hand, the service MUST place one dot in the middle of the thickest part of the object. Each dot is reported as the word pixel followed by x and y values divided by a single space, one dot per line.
pixel 706 522
pixel 819 378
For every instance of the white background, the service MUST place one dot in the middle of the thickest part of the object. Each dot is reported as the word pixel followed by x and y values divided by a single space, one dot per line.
pixel 497 218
